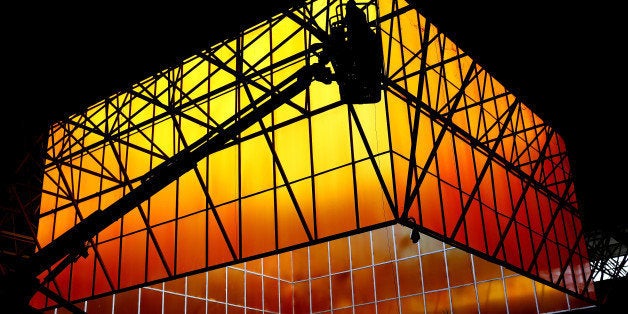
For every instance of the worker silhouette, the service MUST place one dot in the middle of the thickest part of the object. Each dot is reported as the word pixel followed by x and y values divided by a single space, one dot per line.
pixel 357 57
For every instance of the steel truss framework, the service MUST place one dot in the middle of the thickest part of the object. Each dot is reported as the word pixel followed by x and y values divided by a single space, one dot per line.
pixel 448 150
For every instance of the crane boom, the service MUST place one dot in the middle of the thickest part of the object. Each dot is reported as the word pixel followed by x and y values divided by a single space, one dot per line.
pixel 355 54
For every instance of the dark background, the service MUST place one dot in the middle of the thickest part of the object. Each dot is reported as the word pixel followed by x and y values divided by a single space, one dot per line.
pixel 564 60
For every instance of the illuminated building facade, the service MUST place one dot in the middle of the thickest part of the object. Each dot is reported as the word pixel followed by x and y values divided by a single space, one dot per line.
pixel 311 206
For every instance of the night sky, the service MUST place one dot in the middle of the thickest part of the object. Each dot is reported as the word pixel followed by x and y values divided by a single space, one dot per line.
pixel 564 62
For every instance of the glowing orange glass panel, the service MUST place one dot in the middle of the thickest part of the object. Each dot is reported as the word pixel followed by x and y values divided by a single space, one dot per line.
pixel 409 276
pixel 235 286
pixel 491 297
pixel 319 293
pixel 437 302
pixel 341 290
pixel 300 270
pixel 436 278
pixel 127 302
pixel 339 255
pixel 319 264
pixel 363 281
pixel 151 301
pixel 197 285
pixel 463 299
pixel 412 304
pixel 271 294
pixel 386 281
pixel 520 294
pixel 253 288
pixel 174 303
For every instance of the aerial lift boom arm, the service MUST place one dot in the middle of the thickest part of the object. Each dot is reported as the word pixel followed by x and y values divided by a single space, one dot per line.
pixel 353 50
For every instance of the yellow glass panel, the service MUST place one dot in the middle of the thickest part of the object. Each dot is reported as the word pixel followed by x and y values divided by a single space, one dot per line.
pixel 335 208
pixel 372 119
pixel 459 267
pixel 189 185
pixel 293 149
pixel 400 116
pixel 386 281
pixel 321 95
pixel 257 166
pixel 330 139
pixel 194 83
pixel 223 175
pixel 409 276
pixel 257 43
pixel 363 282
pixel 436 278
pixel 372 202
pixel 291 43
